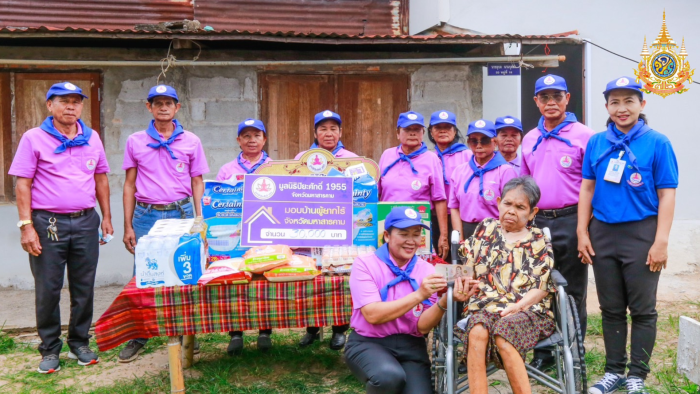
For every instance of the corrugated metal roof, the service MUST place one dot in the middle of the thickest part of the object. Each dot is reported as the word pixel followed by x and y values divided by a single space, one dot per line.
pixel 290 36
pixel 114 14
pixel 307 16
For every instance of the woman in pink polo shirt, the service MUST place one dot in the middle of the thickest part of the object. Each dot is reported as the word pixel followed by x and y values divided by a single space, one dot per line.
pixel 443 132
pixel 477 184
pixel 327 132
pixel 409 172
pixel 251 138
pixel 394 305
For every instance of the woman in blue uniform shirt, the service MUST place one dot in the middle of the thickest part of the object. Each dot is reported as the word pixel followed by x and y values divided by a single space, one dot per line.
pixel 630 176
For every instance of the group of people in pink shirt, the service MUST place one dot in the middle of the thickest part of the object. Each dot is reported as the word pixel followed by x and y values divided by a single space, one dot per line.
pixel 61 172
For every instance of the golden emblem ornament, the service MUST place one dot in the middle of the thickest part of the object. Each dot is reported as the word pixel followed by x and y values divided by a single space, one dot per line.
pixel 662 70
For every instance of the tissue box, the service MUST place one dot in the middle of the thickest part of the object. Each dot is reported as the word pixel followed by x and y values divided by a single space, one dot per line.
pixel 222 208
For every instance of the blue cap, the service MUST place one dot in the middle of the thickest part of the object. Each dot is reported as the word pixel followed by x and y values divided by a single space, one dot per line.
pixel 410 118
pixel 325 115
pixel 443 117
pixel 624 83
pixel 551 81
pixel 63 89
pixel 162 90
pixel 403 217
pixel 508 121
pixel 250 122
pixel 483 126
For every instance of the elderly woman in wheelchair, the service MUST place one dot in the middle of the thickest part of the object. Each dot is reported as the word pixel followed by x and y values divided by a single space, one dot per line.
pixel 510 313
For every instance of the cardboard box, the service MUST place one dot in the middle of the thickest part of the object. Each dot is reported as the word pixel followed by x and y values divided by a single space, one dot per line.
pixel 422 207
pixel 222 208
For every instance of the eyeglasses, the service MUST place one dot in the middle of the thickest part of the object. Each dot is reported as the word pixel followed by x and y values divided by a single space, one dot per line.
pixel 545 98
pixel 477 141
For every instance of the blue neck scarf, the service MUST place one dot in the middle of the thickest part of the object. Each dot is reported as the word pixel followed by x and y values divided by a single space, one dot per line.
pixel 153 133
pixel 335 151
pixel 401 275
pixel 452 149
pixel 79 140
pixel 618 143
pixel 255 167
pixel 570 118
pixel 407 158
pixel 494 163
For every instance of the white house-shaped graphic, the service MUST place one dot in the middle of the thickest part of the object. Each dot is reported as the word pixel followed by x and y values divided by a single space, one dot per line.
pixel 261 212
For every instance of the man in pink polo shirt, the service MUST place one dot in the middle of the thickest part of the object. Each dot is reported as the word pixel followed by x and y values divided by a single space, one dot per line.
pixel 327 133
pixel 164 165
pixel 61 172
pixel 395 303
pixel 553 156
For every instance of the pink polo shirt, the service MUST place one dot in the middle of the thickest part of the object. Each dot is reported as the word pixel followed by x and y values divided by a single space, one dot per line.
pixel 555 166
pixel 232 168
pixel 342 153
pixel 160 178
pixel 453 161
pixel 401 184
pixel 369 274
pixel 474 208
pixel 63 182
pixel 517 162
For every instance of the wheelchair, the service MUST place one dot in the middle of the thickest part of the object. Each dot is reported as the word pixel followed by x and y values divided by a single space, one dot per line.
pixel 566 343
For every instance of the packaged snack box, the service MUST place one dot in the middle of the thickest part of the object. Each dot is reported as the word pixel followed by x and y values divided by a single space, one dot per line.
pixel 264 258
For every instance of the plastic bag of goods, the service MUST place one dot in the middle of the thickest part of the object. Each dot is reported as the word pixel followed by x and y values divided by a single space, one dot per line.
pixel 299 268
pixel 225 272
pixel 169 260
pixel 264 258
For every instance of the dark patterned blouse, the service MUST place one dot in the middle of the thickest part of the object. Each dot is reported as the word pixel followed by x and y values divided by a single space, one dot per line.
pixel 506 272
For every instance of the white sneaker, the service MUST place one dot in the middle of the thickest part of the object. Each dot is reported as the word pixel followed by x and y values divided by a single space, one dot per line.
pixel 609 384
pixel 635 385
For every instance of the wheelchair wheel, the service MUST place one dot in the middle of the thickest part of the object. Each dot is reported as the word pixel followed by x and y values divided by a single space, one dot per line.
pixel 577 350
pixel 437 365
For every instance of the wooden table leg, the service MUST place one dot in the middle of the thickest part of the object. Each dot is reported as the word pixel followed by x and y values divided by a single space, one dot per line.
pixel 177 379
pixel 188 345
pixel 320 334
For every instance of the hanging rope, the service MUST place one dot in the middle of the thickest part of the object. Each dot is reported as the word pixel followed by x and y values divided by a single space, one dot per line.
pixel 547 51
pixel 170 60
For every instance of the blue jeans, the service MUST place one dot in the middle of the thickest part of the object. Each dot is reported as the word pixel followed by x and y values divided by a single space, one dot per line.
pixel 145 218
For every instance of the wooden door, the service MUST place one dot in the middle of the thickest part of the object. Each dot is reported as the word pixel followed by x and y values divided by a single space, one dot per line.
pixel 289 103
pixel 30 110
pixel 369 106
pixel 6 134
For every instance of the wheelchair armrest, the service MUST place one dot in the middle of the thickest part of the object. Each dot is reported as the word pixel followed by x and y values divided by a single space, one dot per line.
pixel 558 278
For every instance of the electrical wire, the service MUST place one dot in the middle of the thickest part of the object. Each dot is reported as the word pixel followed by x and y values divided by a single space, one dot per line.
pixel 618 55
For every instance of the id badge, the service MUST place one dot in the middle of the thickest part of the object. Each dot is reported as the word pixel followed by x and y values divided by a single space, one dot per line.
pixel 615 169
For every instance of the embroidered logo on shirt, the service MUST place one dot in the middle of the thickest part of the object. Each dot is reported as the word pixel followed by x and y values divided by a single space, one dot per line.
pixel 565 161
pixel 622 82
pixel 480 123
pixel 549 80
pixel 443 115
pixel 412 116
pixel 69 86
pixel 415 185
pixel 161 89
pixel 508 121
pixel 91 164
pixel 180 167
pixel 418 310
pixel 410 213
pixel 635 179
pixel 489 195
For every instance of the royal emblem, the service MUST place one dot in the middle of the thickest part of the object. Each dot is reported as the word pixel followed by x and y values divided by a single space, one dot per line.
pixel 249 122
pixel 508 120
pixel 443 115
pixel 415 185
pixel 480 123
pixel 549 80
pixel 161 89
pixel 489 195
pixel 412 116
pixel 565 161
pixel 91 164
pixel 180 167
pixel 635 179
pixel 662 70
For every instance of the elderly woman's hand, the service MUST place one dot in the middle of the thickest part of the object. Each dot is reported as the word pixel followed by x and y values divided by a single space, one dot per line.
pixel 432 284
pixel 465 288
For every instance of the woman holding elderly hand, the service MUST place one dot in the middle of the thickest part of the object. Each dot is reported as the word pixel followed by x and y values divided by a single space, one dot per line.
pixel 395 302
pixel 510 313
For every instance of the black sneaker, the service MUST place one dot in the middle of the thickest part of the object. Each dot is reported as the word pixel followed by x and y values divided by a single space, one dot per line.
pixel 49 364
pixel 235 346
pixel 84 355
pixel 264 342
pixel 130 352
pixel 308 339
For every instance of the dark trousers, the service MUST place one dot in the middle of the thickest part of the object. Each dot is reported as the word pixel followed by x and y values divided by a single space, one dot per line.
pixel 435 235
pixel 623 280
pixel 240 333
pixel 77 249
pixel 336 329
pixel 566 261
pixel 468 229
pixel 397 364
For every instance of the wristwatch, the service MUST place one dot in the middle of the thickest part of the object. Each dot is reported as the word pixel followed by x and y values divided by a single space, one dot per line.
pixel 23 223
